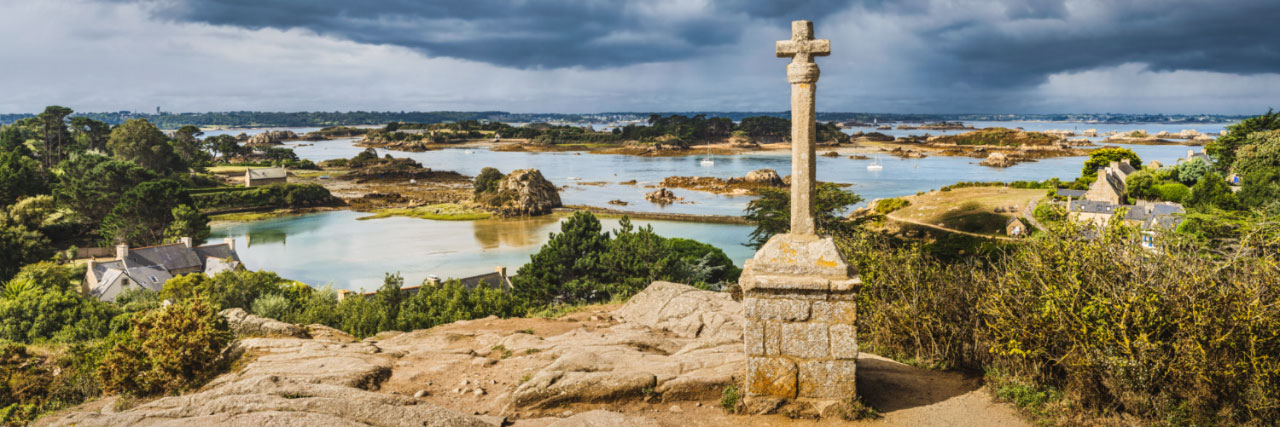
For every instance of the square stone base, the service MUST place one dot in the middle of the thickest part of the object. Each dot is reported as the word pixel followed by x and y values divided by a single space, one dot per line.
pixel 799 297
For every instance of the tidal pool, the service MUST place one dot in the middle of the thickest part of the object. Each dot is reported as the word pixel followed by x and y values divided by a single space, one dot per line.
pixel 335 247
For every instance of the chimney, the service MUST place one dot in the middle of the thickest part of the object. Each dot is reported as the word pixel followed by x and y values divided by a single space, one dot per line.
pixel 231 243
pixel 1190 153
pixel 186 241
pixel 502 277
pixel 122 250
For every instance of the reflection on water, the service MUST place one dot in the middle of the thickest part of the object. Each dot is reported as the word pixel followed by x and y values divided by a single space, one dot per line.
pixel 265 237
pixel 333 247
pixel 494 233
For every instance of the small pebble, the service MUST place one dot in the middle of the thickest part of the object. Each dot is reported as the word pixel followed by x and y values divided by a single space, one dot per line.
pixel 420 394
pixel 676 409
pixel 479 392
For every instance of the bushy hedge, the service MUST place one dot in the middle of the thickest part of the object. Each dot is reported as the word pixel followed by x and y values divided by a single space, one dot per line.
pixel 288 195
pixel 1175 335
pixel 885 206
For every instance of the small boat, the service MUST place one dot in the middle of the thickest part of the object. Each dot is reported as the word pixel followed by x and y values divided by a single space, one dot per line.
pixel 875 166
pixel 706 163
pixel 467 152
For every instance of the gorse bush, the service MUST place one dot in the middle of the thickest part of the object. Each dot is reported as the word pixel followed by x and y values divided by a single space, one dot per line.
pixel 885 206
pixel 167 350
pixel 1171 334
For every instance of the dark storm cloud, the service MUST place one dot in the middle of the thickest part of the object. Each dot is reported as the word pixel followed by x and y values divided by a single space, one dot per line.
pixel 521 34
pixel 1036 39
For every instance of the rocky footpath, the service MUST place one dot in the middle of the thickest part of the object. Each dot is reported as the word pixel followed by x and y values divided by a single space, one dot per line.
pixel 661 359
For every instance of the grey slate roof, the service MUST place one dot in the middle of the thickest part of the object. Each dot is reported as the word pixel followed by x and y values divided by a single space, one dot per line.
pixel 220 250
pixel 1065 192
pixel 267 173
pixel 175 256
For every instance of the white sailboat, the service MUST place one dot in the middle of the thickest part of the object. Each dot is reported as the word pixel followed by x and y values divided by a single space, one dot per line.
pixel 875 165
pixel 706 161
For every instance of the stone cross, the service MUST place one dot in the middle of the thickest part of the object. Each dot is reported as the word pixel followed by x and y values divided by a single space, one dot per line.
pixel 803 75
pixel 799 293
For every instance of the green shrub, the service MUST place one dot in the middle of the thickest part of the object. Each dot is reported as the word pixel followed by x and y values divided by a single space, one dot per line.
pixel 288 195
pixel 1172 192
pixel 272 306
pixel 168 350
pixel 1173 334
pixel 487 181
pixel 729 398
pixel 885 206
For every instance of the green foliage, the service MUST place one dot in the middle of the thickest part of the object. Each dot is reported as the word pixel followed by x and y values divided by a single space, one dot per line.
pixel 450 302
pixel 1171 192
pixel 168 350
pixel 91 184
pixel 226 145
pixel 564 269
pixel 1223 150
pixel 583 265
pixel 1103 157
pixel 729 398
pixel 140 142
pixel 286 195
pixel 47 379
pixel 1190 172
pixel 19 246
pixel 1260 153
pixel 772 212
pixel 228 289
pixel 1048 213
pixel 998 136
pixel 143 213
pixel 189 148
pixel 885 206
pixel 42 302
pixel 273 306
pixel 1049 184
pixel 1211 192
pixel 1114 327
pixel 487 181
pixel 187 222
pixel 20 176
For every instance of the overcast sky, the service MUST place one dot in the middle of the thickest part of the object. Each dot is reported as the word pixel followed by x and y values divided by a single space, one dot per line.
pixel 578 56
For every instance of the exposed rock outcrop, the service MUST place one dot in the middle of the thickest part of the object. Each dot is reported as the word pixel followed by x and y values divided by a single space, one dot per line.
pixel 289 381
pixel 871 136
pixel 271 137
pixel 523 192
pixel 661 196
pixel 248 325
pixel 698 360
pixel 761 177
pixel 749 184
pixel 998 160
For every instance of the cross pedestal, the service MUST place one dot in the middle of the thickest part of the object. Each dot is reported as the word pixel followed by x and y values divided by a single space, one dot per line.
pixel 798 291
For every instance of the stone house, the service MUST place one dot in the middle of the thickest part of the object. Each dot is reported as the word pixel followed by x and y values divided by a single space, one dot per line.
pixel 1110 187
pixel 1147 215
pixel 1015 227
pixel 265 176
pixel 149 267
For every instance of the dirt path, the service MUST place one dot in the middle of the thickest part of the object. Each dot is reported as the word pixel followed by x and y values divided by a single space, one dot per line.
pixel 949 230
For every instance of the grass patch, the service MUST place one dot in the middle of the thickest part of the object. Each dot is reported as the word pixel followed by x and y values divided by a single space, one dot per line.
pixel 440 212
pixel 729 398
pixel 1035 400
pixel 249 216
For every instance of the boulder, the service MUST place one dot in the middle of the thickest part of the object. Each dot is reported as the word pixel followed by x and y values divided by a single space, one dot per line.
pixel 524 192
pixel 248 325
pixel 661 196
pixel 999 160
pixel 764 177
